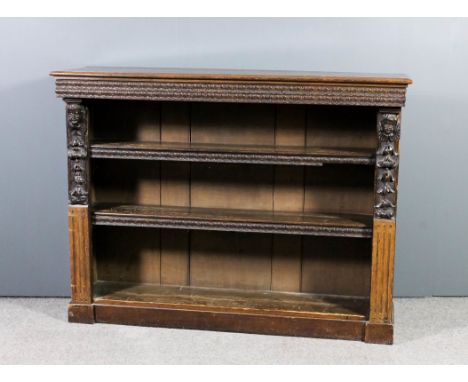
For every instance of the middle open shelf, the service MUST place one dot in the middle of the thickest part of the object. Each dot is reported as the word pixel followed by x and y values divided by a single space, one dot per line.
pixel 344 225
pixel 224 153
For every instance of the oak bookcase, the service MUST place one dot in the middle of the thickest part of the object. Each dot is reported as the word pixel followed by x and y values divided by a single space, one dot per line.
pixel 259 202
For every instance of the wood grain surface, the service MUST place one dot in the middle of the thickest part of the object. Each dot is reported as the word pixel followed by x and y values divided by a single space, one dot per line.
pixel 223 153
pixel 80 255
pixel 383 253
pixel 233 200
pixel 234 220
pixel 233 74
pixel 217 299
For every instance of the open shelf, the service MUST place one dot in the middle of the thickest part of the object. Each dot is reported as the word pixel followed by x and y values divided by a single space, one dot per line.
pixel 227 153
pixel 234 220
pixel 238 301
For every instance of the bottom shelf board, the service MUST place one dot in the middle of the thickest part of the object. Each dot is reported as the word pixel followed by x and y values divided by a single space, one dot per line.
pixel 233 301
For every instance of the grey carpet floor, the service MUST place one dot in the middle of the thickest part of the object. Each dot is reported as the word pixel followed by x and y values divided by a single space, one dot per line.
pixel 36 331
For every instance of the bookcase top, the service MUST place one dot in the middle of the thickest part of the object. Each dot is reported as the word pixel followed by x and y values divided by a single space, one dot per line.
pixel 233 75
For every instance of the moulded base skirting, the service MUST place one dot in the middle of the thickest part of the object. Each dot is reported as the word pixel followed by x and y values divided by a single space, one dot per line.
pixel 232 322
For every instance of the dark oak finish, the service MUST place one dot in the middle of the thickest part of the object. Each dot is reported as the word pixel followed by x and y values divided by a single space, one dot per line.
pixel 248 201
pixel 233 322
pixel 383 252
pixel 233 75
pixel 233 300
pixel 379 333
pixel 218 153
pixel 77 139
pixel 80 259
pixel 235 220
pixel 231 86
pixel 81 313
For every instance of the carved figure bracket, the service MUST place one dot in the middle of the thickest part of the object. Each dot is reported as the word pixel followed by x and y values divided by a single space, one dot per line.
pixel 77 137
pixel 387 160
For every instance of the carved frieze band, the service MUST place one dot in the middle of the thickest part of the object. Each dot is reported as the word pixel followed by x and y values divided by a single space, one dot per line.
pixel 77 137
pixel 387 159
pixel 299 93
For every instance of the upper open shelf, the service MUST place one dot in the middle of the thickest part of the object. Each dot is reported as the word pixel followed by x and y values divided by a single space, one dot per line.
pixel 223 153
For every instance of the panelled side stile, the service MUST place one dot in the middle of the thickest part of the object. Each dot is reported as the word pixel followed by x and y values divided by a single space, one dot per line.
pixel 387 160
pixel 80 308
pixel 380 326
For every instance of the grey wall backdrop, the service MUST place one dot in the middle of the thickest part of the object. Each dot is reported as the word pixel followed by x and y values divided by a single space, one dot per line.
pixel 432 236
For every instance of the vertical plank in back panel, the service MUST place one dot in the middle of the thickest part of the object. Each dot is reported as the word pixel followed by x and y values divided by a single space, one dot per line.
pixel 288 196
pixel 232 186
pixel 125 181
pixel 175 191
pixel 289 180
pixel 108 121
pixel 230 260
pixel 236 186
pixel 341 127
pixel 116 120
pixel 145 118
pixel 228 123
pixel 339 189
pixel 133 255
pixel 336 266
pixel 127 254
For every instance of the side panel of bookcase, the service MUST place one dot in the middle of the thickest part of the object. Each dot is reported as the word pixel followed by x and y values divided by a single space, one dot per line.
pixel 380 326
pixel 80 308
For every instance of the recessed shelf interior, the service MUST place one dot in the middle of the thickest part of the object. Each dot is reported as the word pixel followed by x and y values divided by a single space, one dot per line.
pixel 233 260
pixel 158 264
pixel 325 127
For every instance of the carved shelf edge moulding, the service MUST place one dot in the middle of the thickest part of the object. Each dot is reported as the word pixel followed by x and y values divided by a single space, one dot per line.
pixel 99 152
pixel 156 222
pixel 387 160
pixel 77 140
